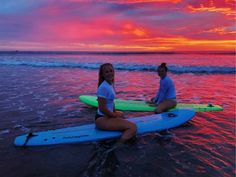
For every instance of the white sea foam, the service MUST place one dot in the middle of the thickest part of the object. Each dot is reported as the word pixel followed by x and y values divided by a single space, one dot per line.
pixel 4 131
pixel 123 66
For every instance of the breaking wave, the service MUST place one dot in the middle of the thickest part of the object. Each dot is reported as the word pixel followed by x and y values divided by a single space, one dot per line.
pixel 123 66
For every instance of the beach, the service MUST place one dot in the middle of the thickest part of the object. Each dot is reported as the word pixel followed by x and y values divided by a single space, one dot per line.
pixel 39 92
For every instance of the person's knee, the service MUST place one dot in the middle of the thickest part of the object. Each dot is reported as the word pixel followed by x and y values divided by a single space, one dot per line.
pixel 174 103
pixel 159 110
pixel 133 128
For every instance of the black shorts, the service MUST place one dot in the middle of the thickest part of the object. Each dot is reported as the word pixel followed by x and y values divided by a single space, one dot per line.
pixel 97 116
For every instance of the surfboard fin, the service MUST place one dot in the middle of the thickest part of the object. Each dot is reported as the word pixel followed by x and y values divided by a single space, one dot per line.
pixel 30 135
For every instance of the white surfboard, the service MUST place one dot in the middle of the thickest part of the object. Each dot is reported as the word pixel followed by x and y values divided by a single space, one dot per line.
pixel 89 133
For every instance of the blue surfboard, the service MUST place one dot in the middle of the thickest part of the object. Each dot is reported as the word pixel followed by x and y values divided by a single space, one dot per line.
pixel 89 133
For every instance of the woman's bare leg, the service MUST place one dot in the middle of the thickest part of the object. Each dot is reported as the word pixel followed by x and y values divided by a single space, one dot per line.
pixel 128 128
pixel 165 105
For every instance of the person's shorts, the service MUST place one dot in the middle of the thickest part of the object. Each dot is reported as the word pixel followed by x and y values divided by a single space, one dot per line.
pixel 97 116
pixel 172 99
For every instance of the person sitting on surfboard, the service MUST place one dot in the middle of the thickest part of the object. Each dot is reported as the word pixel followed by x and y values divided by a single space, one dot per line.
pixel 107 118
pixel 166 96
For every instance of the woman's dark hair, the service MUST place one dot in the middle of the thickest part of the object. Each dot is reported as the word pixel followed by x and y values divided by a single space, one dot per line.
pixel 100 74
pixel 163 65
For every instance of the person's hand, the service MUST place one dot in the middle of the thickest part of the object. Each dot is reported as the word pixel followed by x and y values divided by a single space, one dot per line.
pixel 149 102
pixel 153 100
pixel 119 114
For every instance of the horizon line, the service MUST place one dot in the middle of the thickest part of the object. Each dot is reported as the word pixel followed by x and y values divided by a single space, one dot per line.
pixel 114 52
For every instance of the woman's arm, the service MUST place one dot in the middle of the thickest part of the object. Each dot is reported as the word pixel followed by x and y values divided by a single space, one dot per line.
pixel 102 107
pixel 162 92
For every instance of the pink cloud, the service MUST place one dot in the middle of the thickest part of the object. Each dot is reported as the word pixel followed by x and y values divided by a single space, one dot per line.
pixel 120 25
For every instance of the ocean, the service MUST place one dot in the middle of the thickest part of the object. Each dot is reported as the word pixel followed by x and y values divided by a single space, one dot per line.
pixel 39 91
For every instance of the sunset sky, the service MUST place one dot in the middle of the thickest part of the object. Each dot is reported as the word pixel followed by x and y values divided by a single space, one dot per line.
pixel 118 25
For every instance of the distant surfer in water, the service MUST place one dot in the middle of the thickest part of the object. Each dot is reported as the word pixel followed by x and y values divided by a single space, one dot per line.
pixel 166 96
pixel 107 118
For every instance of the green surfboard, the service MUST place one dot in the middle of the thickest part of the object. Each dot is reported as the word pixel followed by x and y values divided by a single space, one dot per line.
pixel 131 105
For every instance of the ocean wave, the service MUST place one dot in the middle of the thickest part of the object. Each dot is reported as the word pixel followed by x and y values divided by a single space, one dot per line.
pixel 178 69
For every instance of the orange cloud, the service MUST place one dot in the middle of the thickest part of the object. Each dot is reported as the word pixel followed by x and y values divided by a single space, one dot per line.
pixel 128 1
pixel 186 44
pixel 227 8
pixel 143 1
pixel 136 31
pixel 220 31
pixel 226 11
pixel 147 44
